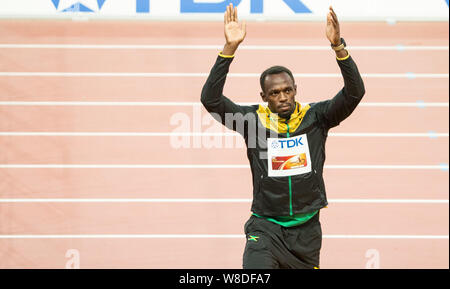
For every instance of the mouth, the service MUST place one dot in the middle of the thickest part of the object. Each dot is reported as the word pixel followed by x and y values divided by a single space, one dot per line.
pixel 284 107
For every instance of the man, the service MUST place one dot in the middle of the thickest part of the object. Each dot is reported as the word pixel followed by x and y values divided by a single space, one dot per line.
pixel 286 149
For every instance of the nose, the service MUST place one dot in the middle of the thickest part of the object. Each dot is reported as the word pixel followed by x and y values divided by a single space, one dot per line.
pixel 283 97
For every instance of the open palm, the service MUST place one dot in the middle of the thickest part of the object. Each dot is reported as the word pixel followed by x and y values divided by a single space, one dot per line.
pixel 234 31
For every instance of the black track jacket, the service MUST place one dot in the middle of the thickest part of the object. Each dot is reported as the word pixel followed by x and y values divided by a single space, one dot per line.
pixel 285 181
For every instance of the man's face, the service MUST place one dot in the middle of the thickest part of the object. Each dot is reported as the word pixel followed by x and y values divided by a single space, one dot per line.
pixel 279 92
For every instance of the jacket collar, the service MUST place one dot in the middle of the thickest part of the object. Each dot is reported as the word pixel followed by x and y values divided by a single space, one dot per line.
pixel 278 124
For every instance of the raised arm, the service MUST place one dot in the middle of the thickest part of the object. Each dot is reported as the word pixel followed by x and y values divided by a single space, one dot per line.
pixel 344 103
pixel 333 32
pixel 212 96
pixel 235 32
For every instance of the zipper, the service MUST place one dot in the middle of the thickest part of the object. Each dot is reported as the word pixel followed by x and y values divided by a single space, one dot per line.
pixel 290 180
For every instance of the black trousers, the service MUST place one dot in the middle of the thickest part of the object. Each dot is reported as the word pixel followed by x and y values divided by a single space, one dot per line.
pixel 271 246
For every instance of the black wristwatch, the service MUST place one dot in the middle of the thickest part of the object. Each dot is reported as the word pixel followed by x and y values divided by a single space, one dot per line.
pixel 339 47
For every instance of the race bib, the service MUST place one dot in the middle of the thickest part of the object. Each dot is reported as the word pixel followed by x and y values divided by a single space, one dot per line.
pixel 288 156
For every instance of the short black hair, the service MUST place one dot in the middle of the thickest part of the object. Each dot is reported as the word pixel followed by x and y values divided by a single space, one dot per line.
pixel 274 70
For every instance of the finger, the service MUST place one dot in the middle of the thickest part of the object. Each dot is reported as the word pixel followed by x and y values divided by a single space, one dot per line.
pixel 232 12
pixel 235 14
pixel 333 14
pixel 329 18
pixel 333 22
pixel 334 17
pixel 228 14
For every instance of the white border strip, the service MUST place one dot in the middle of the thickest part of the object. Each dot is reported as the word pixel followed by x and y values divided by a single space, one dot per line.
pixel 204 134
pixel 117 200
pixel 409 75
pixel 207 236
pixel 419 104
pixel 218 47
pixel 218 166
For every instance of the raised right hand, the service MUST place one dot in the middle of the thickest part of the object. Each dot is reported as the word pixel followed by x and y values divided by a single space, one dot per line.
pixel 234 31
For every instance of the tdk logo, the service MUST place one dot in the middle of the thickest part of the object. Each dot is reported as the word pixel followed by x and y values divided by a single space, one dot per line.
pixel 186 6
pixel 290 143
pixel 256 6
pixel 142 6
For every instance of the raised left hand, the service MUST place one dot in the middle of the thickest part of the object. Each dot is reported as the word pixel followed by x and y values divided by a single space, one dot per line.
pixel 333 31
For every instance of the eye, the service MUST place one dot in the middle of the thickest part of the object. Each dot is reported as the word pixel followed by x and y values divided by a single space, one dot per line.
pixel 274 93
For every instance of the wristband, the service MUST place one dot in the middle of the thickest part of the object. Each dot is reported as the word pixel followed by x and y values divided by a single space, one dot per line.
pixel 339 47
pixel 226 56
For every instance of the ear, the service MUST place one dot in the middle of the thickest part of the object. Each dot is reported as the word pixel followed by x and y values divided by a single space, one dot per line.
pixel 263 96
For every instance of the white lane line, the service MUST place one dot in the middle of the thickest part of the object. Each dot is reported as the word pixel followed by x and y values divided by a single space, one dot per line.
pixel 388 201
pixel 428 134
pixel 404 104
pixel 207 236
pixel 174 103
pixel 204 75
pixel 98 103
pixel 385 236
pixel 121 200
pixel 116 200
pixel 223 134
pixel 148 134
pixel 390 167
pixel 218 47
pixel 217 166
